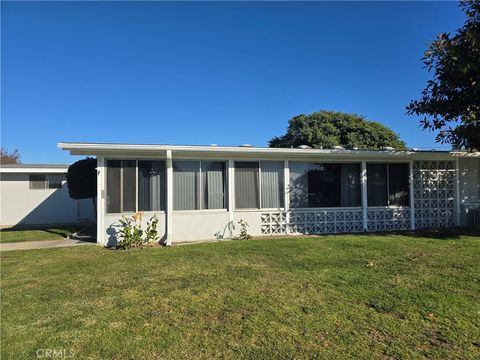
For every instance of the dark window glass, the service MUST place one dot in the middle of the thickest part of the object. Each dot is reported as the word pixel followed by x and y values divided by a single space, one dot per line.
pixel 55 181
pixel 213 185
pixel 38 182
pixel 113 186
pixel 325 185
pixel 128 185
pixel 246 185
pixel 151 185
pixel 398 185
pixel 377 189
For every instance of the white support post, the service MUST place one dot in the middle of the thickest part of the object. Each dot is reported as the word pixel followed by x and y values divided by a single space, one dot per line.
pixel 364 195
pixel 101 198
pixel 286 193
pixel 169 197
pixel 231 189
pixel 457 192
pixel 412 198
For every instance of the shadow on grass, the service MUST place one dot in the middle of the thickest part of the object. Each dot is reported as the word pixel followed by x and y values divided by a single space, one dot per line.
pixel 440 234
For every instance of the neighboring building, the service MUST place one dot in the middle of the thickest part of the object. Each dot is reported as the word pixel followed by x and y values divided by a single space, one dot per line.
pixel 196 191
pixel 38 195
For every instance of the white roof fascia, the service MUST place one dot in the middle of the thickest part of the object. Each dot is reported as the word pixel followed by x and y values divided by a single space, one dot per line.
pixel 139 150
pixel 33 170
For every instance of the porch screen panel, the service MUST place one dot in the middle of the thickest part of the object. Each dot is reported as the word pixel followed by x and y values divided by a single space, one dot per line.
pixel 377 190
pixel 350 195
pixel 246 185
pixel 185 185
pixel 213 185
pixel 129 185
pixel 298 185
pixel 151 185
pixel 272 184
pixel 398 184
pixel 113 186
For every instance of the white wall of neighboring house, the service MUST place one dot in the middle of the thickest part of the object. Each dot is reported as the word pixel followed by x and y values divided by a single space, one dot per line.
pixel 21 205
pixel 469 171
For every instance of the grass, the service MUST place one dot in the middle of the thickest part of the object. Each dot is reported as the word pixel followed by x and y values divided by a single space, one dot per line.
pixel 344 296
pixel 9 235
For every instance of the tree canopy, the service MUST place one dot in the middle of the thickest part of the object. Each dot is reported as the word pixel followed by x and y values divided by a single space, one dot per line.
pixel 450 104
pixel 82 179
pixel 328 129
pixel 7 157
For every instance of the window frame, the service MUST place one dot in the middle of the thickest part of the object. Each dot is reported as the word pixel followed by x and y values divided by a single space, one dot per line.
pixel 260 208
pixel 105 180
pixel 46 181
pixel 199 182
pixel 387 163
pixel 339 161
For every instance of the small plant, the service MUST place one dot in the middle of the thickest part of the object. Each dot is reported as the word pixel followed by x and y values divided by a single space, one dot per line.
pixel 151 234
pixel 131 232
pixel 244 235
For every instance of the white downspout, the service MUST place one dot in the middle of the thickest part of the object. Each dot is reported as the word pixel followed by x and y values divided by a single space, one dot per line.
pixel 169 212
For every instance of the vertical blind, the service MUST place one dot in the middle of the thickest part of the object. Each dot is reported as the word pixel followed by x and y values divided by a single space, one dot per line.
pixel 246 185
pixel 272 184
pixel 185 185
pixel 151 185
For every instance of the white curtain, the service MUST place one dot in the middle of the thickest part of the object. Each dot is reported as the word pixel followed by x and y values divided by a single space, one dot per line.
pixel 213 184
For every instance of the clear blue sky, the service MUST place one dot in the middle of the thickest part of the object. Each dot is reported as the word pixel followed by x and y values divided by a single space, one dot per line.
pixel 202 73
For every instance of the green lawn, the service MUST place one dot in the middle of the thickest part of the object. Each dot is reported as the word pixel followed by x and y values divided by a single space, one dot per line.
pixel 345 296
pixel 9 235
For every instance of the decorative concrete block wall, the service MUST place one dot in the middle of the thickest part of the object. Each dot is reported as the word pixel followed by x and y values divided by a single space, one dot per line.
pixel 434 189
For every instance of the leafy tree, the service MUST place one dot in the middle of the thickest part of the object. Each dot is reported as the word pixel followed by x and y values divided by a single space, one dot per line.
pixel 82 180
pixel 450 104
pixel 328 129
pixel 9 157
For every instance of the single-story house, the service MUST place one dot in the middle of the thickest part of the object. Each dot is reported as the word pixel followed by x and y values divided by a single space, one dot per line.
pixel 37 194
pixel 197 192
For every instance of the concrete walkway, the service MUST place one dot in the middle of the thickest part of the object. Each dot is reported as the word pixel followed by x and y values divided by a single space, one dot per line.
pixel 47 244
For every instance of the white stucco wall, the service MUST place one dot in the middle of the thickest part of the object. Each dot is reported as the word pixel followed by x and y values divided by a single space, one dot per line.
pixel 469 171
pixel 20 205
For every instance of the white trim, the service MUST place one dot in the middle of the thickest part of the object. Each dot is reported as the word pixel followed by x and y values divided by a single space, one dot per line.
pixel 231 188
pixel 412 197
pixel 94 148
pixel 363 182
pixel 169 186
pixel 33 170
pixel 101 200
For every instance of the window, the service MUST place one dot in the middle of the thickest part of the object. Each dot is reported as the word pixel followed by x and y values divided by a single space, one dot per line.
pixel 121 185
pixel 55 181
pixel 388 184
pixel 151 185
pixel 199 185
pixel 246 185
pixel 38 181
pixel 122 181
pixel 324 185
pixel 50 181
pixel 259 184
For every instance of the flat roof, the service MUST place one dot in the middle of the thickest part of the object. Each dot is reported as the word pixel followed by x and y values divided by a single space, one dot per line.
pixel 114 149
pixel 33 168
